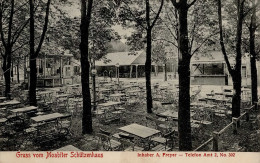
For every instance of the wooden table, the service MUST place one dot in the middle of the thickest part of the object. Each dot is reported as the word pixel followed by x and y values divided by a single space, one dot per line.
pixel 117 95
pixel 139 130
pixel 109 85
pixel 44 92
pixel 74 85
pixel 110 103
pixel 47 117
pixel 134 91
pixel 172 114
pixel 2 98
pixel 25 109
pixel 10 103
pixel 210 106
pixel 68 148
pixel 62 95
pixel 103 90
pixel 3 120
pixel 196 104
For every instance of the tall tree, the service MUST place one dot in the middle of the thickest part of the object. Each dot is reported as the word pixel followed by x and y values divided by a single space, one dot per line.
pixel 236 71
pixel 148 62
pixel 143 22
pixel 253 55
pixel 184 128
pixel 10 23
pixel 34 53
pixel 85 66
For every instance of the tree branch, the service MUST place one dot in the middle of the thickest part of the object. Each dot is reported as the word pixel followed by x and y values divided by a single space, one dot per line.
pixel 20 7
pixel 204 42
pixel 161 39
pixel 250 9
pixel 192 3
pixel 1 27
pixel 44 28
pixel 175 4
pixel 192 36
pixel 135 18
pixel 18 32
pixel 222 40
pixel 158 13
pixel 10 24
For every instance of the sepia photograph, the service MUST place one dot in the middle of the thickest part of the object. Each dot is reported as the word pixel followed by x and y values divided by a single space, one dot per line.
pixel 158 78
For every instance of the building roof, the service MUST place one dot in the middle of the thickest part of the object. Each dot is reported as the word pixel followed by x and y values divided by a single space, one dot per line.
pixel 210 57
pixel 53 52
pixel 214 57
pixel 123 59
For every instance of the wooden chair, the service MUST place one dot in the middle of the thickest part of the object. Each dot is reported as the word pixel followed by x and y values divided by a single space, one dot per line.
pixel 161 117
pixel 62 104
pixel 159 125
pixel 164 141
pixel 127 145
pixel 108 144
pixel 102 131
pixel 65 124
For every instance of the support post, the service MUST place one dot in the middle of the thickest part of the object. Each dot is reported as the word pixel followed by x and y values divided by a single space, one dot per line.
pixel 247 114
pixel 118 76
pixel 215 141
pixel 44 68
pixel 256 106
pixel 136 71
pixel 131 69
pixel 234 121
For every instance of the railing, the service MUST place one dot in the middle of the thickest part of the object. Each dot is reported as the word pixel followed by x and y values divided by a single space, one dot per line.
pixel 215 138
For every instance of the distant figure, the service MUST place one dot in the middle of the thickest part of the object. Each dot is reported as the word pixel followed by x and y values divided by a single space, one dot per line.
pixel 110 73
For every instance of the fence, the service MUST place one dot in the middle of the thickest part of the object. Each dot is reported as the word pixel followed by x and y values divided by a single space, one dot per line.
pixel 215 138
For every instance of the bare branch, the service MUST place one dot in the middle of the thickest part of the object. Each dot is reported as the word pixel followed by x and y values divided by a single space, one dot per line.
pixel 44 28
pixel 192 3
pixel 222 40
pixel 1 27
pixel 134 16
pixel 192 36
pixel 250 9
pixel 158 13
pixel 213 34
pixel 175 4
pixel 18 32
pixel 10 24
pixel 20 7
pixel 161 39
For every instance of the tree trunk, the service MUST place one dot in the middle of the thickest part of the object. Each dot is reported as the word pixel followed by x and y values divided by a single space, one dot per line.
pixel 148 63
pixel 85 66
pixel 7 71
pixel 33 82
pixel 32 62
pixel 252 30
pixel 237 79
pixel 165 72
pixel 253 79
pixel 236 99
pixel 184 126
